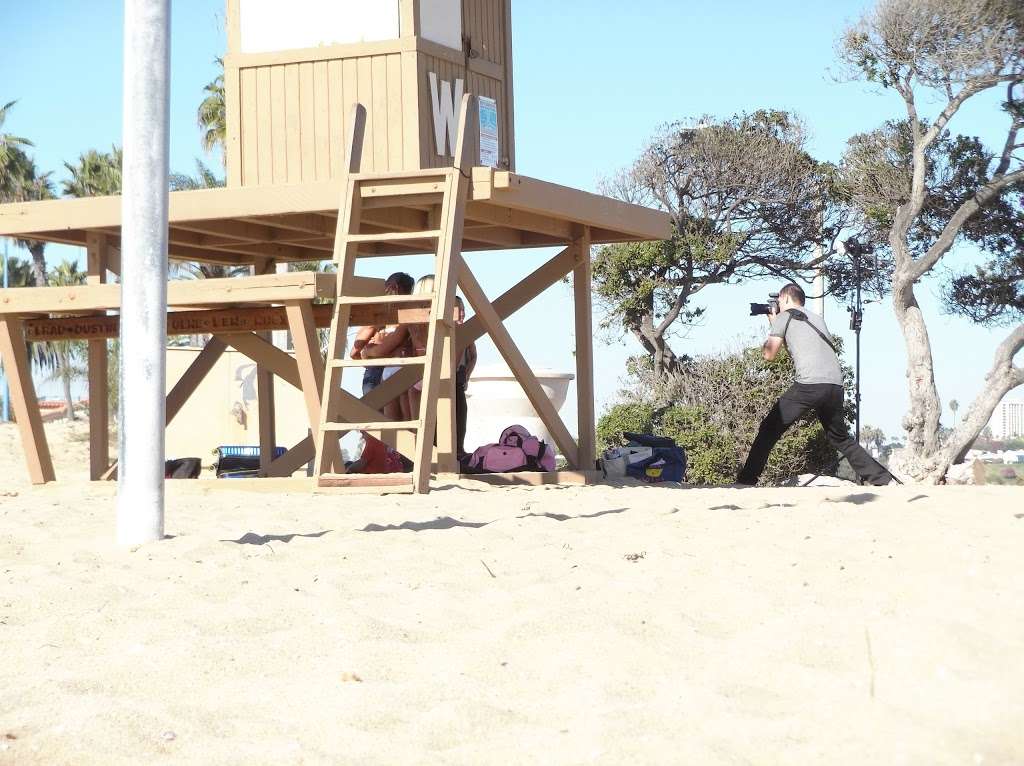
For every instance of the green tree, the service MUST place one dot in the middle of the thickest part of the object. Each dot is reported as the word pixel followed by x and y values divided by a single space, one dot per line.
pixel 8 144
pixel 746 200
pixel 922 189
pixel 27 184
pixel 212 115
pixel 69 354
pixel 96 174
pixel 954 406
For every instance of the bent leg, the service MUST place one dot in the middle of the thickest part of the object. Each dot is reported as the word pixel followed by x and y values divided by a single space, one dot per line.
pixel 785 412
pixel 831 416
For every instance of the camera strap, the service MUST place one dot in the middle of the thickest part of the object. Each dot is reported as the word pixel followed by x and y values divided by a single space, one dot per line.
pixel 802 317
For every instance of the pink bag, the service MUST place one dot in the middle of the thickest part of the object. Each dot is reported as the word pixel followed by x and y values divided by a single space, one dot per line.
pixel 516 450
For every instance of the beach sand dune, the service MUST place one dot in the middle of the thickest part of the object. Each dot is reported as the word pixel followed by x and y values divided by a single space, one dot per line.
pixel 580 625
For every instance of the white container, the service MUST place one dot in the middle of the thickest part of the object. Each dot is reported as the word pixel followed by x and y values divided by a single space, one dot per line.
pixel 496 401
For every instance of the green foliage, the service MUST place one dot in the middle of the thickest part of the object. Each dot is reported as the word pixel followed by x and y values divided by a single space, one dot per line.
pixel 713 409
pixel 212 114
pixel 96 174
pixel 746 200
pixel 713 455
pixel 635 417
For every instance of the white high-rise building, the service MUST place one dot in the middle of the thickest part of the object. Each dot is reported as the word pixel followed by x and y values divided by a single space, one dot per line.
pixel 1008 420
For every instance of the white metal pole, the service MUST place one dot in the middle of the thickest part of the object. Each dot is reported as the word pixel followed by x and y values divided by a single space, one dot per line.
pixel 147 58
pixel 7 390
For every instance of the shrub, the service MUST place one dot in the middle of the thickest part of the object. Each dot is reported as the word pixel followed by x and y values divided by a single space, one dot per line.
pixel 635 417
pixel 713 410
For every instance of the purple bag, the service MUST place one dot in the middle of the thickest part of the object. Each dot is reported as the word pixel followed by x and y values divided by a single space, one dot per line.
pixel 516 450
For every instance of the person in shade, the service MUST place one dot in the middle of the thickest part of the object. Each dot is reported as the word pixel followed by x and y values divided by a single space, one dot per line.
pixel 467 362
pixel 818 387
pixel 398 283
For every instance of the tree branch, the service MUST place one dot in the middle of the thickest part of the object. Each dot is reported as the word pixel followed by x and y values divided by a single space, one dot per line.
pixel 964 213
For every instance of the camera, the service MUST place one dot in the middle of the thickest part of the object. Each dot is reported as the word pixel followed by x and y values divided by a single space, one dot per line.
pixel 766 309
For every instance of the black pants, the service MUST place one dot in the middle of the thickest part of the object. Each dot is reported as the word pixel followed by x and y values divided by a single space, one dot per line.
pixel 461 410
pixel 827 402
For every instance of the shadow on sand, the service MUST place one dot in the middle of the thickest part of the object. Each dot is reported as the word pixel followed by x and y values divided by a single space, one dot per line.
pixel 447 522
pixel 251 538
pixel 862 498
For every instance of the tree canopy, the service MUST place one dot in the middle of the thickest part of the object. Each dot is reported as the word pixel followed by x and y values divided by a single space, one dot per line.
pixel 746 199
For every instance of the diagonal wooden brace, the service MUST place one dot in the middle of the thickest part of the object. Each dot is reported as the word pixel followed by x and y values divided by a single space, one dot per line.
pixel 517 363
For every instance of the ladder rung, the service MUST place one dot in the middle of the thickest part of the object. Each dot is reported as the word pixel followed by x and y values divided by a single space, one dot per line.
pixel 398 361
pixel 394 188
pixel 375 300
pixel 393 236
pixel 399 174
pixel 388 425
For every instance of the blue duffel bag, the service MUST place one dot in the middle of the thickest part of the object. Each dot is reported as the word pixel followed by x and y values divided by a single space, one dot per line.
pixel 666 463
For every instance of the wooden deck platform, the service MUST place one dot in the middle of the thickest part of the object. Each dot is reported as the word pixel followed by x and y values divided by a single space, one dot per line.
pixel 297 223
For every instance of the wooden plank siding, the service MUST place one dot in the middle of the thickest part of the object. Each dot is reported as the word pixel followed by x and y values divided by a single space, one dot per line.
pixel 288 109
pixel 476 83
pixel 293 118
pixel 485 28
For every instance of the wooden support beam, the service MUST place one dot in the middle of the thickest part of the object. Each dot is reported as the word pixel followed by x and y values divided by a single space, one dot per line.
pixel 265 404
pixel 581 284
pixel 219 321
pixel 265 353
pixel 306 223
pixel 517 363
pixel 273 288
pixel 195 374
pixel 292 460
pixel 96 359
pixel 18 370
pixel 447 449
pixel 307 356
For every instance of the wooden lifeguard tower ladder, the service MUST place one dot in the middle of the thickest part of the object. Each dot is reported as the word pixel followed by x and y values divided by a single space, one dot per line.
pixel 351 134
pixel 444 190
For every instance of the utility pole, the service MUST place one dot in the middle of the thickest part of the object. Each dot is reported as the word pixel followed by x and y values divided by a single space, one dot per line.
pixel 147 54
pixel 7 389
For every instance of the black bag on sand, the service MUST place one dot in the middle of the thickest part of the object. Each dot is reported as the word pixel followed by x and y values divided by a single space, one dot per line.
pixel 648 440
pixel 185 468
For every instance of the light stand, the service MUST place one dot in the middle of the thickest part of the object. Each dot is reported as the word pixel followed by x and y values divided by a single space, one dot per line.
pixel 856 310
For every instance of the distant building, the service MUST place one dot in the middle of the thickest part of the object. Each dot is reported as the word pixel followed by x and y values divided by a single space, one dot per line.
pixel 1008 420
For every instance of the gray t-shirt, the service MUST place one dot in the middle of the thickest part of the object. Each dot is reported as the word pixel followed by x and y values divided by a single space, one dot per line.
pixel 815 360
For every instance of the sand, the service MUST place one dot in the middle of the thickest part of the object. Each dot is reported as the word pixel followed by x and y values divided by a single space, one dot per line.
pixel 601 625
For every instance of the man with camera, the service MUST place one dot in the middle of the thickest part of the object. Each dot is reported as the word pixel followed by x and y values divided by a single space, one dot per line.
pixel 818 387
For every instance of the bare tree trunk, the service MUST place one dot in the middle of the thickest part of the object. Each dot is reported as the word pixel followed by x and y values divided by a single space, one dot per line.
pixel 1002 378
pixel 65 376
pixel 922 419
pixel 38 252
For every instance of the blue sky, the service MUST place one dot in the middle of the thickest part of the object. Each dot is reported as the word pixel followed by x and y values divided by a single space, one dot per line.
pixel 593 81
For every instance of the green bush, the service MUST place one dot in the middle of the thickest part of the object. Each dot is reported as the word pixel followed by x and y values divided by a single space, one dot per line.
pixel 635 417
pixel 713 411
pixel 712 455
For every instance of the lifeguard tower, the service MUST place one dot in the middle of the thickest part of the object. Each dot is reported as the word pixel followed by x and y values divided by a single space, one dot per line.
pixel 355 128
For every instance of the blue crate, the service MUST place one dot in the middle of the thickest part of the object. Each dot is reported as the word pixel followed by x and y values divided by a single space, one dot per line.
pixel 247 451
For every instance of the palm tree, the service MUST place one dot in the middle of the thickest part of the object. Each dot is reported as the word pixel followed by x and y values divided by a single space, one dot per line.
pixel 8 144
pixel 69 355
pixel 27 184
pixel 954 406
pixel 212 115
pixel 97 174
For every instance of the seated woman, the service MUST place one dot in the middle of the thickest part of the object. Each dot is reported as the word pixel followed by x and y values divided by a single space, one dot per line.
pixel 398 283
